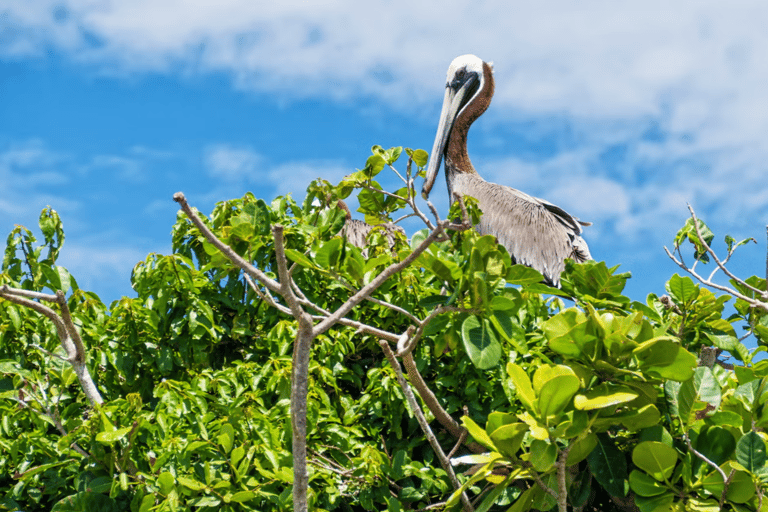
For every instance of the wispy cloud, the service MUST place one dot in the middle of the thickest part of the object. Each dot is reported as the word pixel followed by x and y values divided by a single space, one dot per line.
pixel 232 163
pixel 642 106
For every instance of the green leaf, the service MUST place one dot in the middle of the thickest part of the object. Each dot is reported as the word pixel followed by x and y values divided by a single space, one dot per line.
pixel 604 395
pixel 750 451
pixel 656 459
pixel 191 483
pixel 508 438
pixel 543 455
pixel 682 289
pixel 242 496
pixel 581 449
pixel 659 351
pixel 681 369
pixel 741 489
pixel 498 419
pixel 420 157
pixel 523 387
pixel 29 473
pixel 480 342
pixel 716 444
pixel 299 258
pixel 695 394
pixel 374 165
pixel 608 465
pixel 165 482
pixel 476 432
pixel 112 436
pixel 556 391
pixel 329 253
pixel 688 232
pixel 660 503
pixel 520 274
pixel 226 437
pixel 644 485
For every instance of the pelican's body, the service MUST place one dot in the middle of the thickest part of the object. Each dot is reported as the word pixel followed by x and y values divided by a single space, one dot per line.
pixel 356 231
pixel 535 232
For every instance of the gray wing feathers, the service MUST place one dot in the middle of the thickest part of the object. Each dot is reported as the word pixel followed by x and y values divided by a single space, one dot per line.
pixel 535 232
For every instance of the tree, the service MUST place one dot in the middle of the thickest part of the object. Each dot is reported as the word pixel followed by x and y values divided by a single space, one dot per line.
pixel 544 398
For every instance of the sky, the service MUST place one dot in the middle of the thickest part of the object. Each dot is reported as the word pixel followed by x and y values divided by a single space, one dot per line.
pixel 622 113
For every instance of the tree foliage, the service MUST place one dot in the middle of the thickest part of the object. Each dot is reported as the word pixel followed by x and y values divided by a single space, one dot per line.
pixel 572 397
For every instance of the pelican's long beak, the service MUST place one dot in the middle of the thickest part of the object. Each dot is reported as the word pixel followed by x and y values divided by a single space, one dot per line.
pixel 455 99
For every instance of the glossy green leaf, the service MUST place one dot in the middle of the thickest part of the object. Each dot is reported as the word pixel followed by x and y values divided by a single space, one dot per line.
pixel 556 394
pixel 508 438
pixel 476 432
pixel 644 485
pixel 299 258
pixel 543 455
pixel 697 394
pixel 191 483
pixel 608 465
pixel 498 419
pixel 656 459
pixel 520 274
pixel 581 448
pixel 750 451
pixel 227 437
pixel 660 503
pixel 165 483
pixel 604 395
pixel 113 435
pixel 480 342
pixel 716 444
pixel 740 488
pixel 682 289
pixel 329 253
pixel 420 157
pixel 523 387
pixel 659 351
pixel 681 369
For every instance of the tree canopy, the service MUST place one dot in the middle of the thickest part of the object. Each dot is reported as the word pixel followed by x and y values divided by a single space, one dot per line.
pixel 518 396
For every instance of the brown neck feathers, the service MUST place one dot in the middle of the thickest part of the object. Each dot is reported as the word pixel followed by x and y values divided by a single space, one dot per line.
pixel 456 155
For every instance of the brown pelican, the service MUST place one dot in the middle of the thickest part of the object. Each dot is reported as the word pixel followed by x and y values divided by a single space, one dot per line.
pixel 356 231
pixel 535 232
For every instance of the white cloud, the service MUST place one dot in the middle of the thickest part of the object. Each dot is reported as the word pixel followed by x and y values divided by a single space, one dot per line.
pixel 678 86
pixel 102 268
pixel 235 167
pixel 231 163
pixel 294 177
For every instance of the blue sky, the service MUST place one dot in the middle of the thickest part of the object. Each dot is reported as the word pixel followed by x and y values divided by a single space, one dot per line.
pixel 620 113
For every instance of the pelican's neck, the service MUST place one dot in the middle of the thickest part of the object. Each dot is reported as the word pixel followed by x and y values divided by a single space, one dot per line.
pixel 456 156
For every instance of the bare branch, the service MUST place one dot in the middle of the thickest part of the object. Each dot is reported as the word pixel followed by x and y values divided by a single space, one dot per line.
pixel 266 297
pixel 414 405
pixel 717 260
pixel 752 302
pixel 430 400
pixel 224 248
pixel 69 337
pixel 16 296
pixel 380 302
pixel 390 271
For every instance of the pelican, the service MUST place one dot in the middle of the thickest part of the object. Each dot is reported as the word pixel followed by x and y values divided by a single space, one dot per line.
pixel 356 231
pixel 535 232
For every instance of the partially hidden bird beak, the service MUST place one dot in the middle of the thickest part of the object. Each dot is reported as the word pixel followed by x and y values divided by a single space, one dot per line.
pixel 453 102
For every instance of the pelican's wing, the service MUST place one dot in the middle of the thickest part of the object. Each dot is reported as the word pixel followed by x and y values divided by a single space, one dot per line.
pixel 536 233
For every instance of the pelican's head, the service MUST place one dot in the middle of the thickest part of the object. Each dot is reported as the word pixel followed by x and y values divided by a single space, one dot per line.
pixel 465 80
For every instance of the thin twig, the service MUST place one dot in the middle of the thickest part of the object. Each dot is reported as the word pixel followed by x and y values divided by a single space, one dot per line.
pixel 752 302
pixel 414 405
pixel 224 248
pixel 717 260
